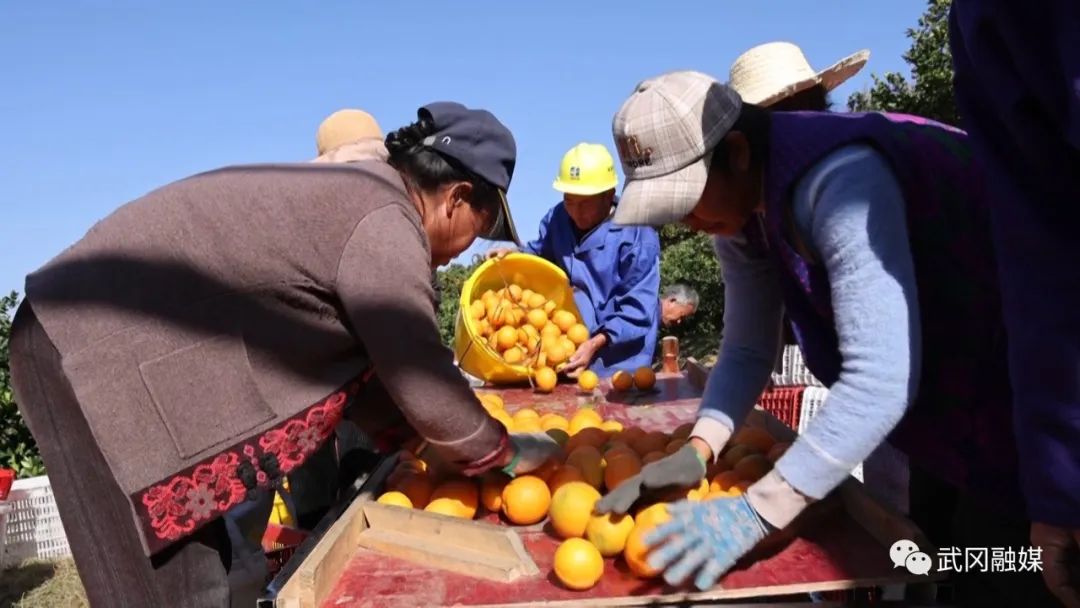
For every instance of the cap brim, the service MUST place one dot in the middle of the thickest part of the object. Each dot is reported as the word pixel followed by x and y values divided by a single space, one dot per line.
pixel 666 199
pixel 504 229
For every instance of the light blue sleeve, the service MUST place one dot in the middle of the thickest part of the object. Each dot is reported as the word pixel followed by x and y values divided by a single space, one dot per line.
pixel 753 306
pixel 851 207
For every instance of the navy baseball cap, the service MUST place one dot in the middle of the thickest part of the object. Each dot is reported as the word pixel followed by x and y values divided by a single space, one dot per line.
pixel 481 144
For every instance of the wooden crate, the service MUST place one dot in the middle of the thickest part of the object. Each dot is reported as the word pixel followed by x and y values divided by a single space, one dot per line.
pixel 807 557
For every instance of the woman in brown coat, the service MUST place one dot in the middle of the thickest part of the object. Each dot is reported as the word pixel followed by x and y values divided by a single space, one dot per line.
pixel 205 339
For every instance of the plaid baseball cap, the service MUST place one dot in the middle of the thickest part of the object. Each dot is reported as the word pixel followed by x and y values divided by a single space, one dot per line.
pixel 665 133
pixel 484 146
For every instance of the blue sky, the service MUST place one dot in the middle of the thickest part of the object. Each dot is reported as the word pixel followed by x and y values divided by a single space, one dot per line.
pixel 101 102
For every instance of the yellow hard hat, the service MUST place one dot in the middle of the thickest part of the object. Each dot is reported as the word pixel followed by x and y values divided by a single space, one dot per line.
pixel 586 169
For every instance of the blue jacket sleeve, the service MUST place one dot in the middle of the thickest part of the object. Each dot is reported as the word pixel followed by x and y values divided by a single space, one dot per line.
pixel 536 246
pixel 637 304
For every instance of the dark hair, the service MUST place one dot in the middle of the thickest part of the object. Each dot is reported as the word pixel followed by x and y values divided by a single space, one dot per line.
pixel 753 122
pixel 428 169
pixel 814 99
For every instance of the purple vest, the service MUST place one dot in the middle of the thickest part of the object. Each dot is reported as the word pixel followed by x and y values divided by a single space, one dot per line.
pixel 959 426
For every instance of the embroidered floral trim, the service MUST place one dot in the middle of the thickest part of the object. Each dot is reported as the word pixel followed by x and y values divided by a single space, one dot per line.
pixel 176 507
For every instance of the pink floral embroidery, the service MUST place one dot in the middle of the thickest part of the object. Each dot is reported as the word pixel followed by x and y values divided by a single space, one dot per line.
pixel 174 508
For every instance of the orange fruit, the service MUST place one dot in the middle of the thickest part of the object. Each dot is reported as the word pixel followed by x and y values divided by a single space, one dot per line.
pixel 682 431
pixel 417 488
pixel 609 532
pixel 652 457
pixel 644 378
pixel 571 508
pixel 735 453
pixel 777 450
pixel 701 491
pixel 477 310
pixel 483 327
pixel 578 564
pixel 526 500
pixel 395 498
pixel 619 469
pixel 537 318
pixel 556 354
pixel 752 468
pixel 635 553
pixel 594 436
pixel 506 337
pixel 652 515
pixel 504 418
pixel 578 334
pixel 536 300
pixel 560 436
pixel 674 445
pixel 611 426
pixel 629 434
pixel 514 355
pixel 553 421
pixel 743 486
pixel 584 419
pixel 546 470
pixel 462 492
pixel 546 379
pixel 755 437
pixel 526 414
pixel 588 460
pixel 551 331
pixel 617 445
pixel 563 319
pixel 588 381
pixel 492 400
pixel 715 468
pixel 564 475
pixel 550 306
pixel 654 441
pixel 448 506
pixel 515 292
pixel 622 381
pixel 527 426
pixel 724 481
pixel 491 488
pixel 568 346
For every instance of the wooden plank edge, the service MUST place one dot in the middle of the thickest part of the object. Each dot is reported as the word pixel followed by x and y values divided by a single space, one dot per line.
pixel 320 570
pixel 696 373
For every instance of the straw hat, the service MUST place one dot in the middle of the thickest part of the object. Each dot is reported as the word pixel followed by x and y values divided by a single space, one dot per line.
pixel 770 72
pixel 345 127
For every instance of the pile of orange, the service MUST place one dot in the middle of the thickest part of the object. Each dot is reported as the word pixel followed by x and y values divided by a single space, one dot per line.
pixel 643 378
pixel 598 456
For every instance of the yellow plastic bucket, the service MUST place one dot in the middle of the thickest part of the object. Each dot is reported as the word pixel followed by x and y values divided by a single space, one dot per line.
pixel 530 272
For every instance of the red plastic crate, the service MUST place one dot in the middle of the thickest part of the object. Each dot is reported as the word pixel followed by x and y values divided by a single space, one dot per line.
pixel 279 543
pixel 785 403
pixel 7 477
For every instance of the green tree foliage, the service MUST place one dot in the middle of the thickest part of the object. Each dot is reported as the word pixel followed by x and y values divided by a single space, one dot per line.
pixel 687 257
pixel 17 448
pixel 448 282
pixel 929 93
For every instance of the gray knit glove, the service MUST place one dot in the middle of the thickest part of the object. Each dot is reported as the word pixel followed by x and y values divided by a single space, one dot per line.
pixel 683 469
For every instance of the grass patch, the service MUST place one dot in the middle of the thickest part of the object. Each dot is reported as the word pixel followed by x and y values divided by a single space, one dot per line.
pixel 42 584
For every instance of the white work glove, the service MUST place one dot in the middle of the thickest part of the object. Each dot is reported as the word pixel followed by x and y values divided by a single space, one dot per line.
pixel 531 451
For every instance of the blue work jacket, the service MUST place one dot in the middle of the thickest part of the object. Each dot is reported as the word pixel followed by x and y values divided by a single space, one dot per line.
pixel 615 273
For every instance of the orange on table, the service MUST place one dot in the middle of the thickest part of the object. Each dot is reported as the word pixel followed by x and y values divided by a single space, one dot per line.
pixel 644 378
pixel 504 418
pixel 526 500
pixel 449 506
pixel 584 419
pixel 526 414
pixel 578 564
pixel 588 460
pixel 417 488
pixel 578 334
pixel 724 481
pixel 571 508
pixel 588 380
pixel 753 467
pixel 683 431
pixel 564 475
pixel 755 437
pixel 546 470
pixel 611 426
pixel 491 488
pixel 462 492
pixel 395 498
pixel 652 457
pixel 593 435
pixel 491 399
pixel 528 426
pixel 654 441
pixel 559 435
pixel 777 450
pixel 636 554
pixel 617 447
pixel 609 532
pixel 652 515
pixel 715 468
pixel 619 469
pixel 674 445
pixel 702 490
pixel 629 434
pixel 553 421
pixel 545 379
pixel 622 381
pixel 736 453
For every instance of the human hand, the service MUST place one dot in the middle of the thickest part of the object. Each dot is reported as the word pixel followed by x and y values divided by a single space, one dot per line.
pixel 705 538
pixel 498 252
pixel 1061 561
pixel 530 452
pixel 683 469
pixel 584 356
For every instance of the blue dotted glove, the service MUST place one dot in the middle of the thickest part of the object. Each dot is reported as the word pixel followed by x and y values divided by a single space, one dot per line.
pixel 704 537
